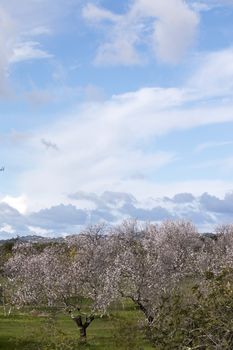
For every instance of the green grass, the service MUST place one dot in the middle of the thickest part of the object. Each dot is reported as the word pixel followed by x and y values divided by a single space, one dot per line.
pixel 118 330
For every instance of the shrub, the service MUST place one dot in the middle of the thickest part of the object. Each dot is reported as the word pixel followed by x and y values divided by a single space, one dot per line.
pixel 198 317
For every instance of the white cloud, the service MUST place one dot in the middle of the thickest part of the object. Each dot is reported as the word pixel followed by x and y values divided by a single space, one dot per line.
pixel 20 25
pixel 96 14
pixel 209 145
pixel 201 6
pixel 208 5
pixel 41 30
pixel 7 41
pixel 103 145
pixel 19 203
pixel 7 228
pixel 39 231
pixel 224 165
pixel 119 47
pixel 119 51
pixel 168 27
pixel 174 29
pixel 214 77
pixel 204 209
pixel 27 51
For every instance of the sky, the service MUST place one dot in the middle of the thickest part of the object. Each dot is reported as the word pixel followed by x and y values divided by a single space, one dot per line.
pixel 115 109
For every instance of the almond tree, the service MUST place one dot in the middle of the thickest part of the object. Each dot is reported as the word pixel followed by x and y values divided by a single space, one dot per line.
pixel 144 263
pixel 215 256
pixel 63 275
pixel 93 273
pixel 152 260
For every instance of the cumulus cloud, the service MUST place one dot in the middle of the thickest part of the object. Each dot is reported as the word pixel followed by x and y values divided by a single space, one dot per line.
pixel 155 214
pixel 104 201
pixel 183 198
pixel 112 207
pixel 7 228
pixel 216 205
pixel 166 27
pixel 18 203
pixel 58 218
pixel 175 28
pixel 11 218
pixel 205 211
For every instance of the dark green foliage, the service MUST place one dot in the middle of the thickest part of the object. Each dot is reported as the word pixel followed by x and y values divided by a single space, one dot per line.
pixel 6 252
pixel 197 317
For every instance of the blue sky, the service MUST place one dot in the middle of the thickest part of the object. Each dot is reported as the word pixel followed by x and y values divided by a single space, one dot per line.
pixel 109 109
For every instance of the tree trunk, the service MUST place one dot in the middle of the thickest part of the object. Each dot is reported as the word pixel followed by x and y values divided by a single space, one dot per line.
pixel 6 307
pixel 149 318
pixel 83 333
pixel 83 325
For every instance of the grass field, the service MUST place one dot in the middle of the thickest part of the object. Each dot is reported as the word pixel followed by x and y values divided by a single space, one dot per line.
pixel 118 330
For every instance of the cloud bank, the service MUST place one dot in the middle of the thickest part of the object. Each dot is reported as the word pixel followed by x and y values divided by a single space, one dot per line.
pixel 205 211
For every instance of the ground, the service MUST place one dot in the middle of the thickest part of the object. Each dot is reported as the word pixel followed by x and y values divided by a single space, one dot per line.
pixel 36 330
